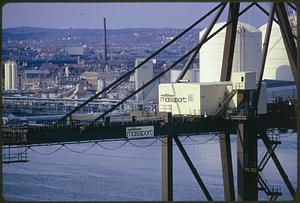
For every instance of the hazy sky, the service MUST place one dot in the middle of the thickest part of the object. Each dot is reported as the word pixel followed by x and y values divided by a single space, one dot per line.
pixel 118 15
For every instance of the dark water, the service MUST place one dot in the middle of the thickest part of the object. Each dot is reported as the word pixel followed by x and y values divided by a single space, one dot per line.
pixel 131 173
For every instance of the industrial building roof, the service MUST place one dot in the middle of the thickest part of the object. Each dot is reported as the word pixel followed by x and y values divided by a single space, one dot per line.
pixel 279 83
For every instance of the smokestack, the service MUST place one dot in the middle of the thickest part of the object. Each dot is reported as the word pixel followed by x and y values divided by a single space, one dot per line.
pixel 105 45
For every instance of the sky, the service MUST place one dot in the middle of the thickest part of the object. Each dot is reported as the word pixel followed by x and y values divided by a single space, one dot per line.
pixel 118 15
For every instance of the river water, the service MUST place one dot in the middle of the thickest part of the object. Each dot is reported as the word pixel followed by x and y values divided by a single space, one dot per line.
pixel 131 172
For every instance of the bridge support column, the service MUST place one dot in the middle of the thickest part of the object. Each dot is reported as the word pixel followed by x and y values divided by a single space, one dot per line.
pixel 167 165
pixel 226 70
pixel 226 159
pixel 287 36
pixel 167 169
pixel 247 161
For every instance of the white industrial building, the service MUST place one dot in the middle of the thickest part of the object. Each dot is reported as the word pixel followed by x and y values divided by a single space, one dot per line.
pixel 277 65
pixel 192 75
pixel 141 76
pixel 204 98
pixel 191 98
pixel 10 75
pixel 247 52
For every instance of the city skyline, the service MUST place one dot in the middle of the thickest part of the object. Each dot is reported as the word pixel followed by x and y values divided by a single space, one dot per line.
pixel 90 15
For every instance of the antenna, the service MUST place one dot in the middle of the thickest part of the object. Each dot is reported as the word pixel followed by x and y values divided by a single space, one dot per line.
pixel 105 45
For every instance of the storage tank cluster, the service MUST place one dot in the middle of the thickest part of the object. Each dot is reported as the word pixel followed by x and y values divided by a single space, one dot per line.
pixel 247 52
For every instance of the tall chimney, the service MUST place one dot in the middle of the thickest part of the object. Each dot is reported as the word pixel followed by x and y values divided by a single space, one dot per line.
pixel 105 45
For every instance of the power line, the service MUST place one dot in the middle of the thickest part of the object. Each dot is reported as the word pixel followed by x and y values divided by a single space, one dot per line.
pixel 111 149
pixel 195 142
pixel 145 146
pixel 85 150
pixel 46 153
pixel 184 139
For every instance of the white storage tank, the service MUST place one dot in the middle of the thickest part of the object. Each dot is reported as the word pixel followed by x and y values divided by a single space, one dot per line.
pixel 190 75
pixel 247 52
pixel 277 65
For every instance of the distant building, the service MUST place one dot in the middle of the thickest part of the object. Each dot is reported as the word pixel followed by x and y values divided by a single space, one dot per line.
pixel 109 77
pixel 10 75
pixel 67 81
pixel 101 85
pixel 66 71
pixel 142 76
pixel 75 50
pixel 91 78
pixel 36 73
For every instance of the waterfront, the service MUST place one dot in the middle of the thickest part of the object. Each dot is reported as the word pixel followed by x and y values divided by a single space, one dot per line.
pixel 131 172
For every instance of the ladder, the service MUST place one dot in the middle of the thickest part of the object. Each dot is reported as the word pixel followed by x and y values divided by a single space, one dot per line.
pixel 222 107
pixel 273 140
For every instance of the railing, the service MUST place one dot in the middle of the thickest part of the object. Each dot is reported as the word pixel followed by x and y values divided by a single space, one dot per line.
pixel 224 104
pixel 238 86
pixel 195 112
pixel 12 154
pixel 271 190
